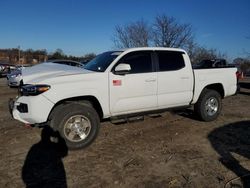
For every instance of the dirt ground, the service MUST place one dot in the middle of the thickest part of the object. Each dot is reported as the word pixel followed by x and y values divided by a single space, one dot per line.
pixel 171 150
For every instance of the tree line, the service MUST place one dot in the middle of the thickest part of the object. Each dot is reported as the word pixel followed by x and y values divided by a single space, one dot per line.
pixel 14 55
pixel 164 31
pixel 59 54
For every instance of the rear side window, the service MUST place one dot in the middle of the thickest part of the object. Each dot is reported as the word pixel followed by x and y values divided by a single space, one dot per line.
pixel 170 60
pixel 140 62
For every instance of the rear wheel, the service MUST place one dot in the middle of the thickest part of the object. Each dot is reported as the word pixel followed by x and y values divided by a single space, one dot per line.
pixel 77 123
pixel 208 106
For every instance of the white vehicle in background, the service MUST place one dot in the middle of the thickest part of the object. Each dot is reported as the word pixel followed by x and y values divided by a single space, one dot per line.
pixel 14 78
pixel 118 84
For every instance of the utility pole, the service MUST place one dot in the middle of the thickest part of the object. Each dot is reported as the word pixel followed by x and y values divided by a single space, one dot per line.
pixel 18 54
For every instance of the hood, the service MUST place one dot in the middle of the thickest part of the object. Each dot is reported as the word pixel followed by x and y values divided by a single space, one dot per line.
pixel 49 70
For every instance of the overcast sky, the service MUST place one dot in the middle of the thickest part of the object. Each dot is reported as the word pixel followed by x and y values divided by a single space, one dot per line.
pixel 80 27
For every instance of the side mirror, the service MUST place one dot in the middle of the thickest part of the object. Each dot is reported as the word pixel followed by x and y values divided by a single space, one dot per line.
pixel 122 69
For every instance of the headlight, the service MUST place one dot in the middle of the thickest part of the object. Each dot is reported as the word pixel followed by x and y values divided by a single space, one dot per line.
pixel 15 75
pixel 32 90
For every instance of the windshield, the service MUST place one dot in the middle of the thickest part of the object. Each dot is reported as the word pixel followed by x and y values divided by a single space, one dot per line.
pixel 101 62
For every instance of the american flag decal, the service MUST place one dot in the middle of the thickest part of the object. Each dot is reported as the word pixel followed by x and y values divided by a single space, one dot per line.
pixel 117 82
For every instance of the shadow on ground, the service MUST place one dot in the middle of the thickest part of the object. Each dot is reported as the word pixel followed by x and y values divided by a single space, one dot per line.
pixel 229 140
pixel 187 113
pixel 43 166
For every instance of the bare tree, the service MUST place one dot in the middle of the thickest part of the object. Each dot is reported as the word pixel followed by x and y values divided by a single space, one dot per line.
pixel 121 37
pixel 139 33
pixel 201 53
pixel 58 54
pixel 135 34
pixel 167 32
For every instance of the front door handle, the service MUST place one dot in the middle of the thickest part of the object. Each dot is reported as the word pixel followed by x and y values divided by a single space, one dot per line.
pixel 184 77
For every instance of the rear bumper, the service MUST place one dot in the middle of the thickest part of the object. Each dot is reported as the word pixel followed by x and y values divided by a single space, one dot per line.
pixel 30 109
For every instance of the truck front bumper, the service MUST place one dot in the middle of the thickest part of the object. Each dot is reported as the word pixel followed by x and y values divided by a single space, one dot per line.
pixel 30 109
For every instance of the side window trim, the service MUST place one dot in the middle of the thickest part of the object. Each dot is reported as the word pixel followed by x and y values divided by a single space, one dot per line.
pixel 155 61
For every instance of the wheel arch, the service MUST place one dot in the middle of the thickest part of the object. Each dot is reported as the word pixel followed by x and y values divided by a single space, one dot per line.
pixel 202 106
pixel 216 87
pixel 81 99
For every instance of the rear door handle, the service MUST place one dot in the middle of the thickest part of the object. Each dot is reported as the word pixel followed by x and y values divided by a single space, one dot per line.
pixel 151 80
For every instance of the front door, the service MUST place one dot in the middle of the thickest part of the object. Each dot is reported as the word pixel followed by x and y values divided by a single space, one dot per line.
pixel 135 91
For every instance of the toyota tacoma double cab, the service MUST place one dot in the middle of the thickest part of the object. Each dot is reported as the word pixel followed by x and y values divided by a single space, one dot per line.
pixel 118 84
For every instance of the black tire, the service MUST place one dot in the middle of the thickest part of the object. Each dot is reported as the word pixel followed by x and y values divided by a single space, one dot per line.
pixel 205 111
pixel 64 113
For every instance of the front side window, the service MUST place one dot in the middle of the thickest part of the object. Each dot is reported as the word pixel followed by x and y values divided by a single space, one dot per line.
pixel 140 62
pixel 170 60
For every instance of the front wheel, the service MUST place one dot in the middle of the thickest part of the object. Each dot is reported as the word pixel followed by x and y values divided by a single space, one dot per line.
pixel 208 106
pixel 77 123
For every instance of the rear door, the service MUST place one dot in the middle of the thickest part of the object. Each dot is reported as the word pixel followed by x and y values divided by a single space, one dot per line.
pixel 135 91
pixel 175 79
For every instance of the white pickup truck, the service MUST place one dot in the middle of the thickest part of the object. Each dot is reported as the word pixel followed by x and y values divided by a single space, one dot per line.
pixel 118 84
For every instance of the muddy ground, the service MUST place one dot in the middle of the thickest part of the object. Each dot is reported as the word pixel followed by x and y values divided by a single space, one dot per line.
pixel 172 150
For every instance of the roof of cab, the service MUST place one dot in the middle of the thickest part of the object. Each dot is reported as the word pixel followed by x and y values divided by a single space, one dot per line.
pixel 153 49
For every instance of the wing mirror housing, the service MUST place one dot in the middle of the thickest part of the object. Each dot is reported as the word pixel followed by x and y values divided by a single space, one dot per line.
pixel 122 69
